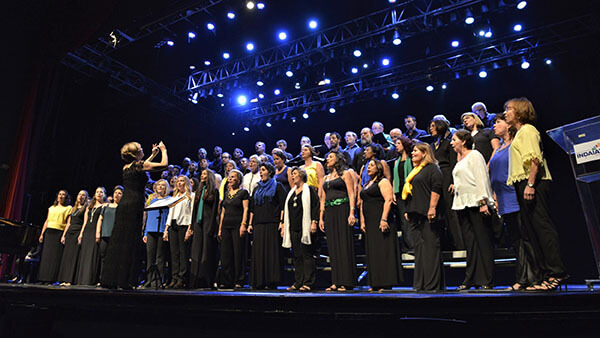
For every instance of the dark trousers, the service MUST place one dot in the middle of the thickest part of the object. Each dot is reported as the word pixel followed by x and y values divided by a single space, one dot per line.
pixel 305 269
pixel 155 253
pixel 527 270
pixel 103 245
pixel 477 234
pixel 402 224
pixel 232 257
pixel 429 272
pixel 536 219
pixel 455 235
pixel 179 252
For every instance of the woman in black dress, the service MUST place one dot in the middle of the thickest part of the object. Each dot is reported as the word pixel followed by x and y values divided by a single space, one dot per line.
pixel 204 232
pixel 446 157
pixel 384 262
pixel 421 193
pixel 106 222
pixel 301 215
pixel 89 256
pixel 337 221
pixel 402 167
pixel 68 264
pixel 266 222
pixel 283 173
pixel 120 269
pixel 232 228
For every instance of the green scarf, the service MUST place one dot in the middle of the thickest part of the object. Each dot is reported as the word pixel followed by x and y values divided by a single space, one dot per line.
pixel 200 206
pixel 407 168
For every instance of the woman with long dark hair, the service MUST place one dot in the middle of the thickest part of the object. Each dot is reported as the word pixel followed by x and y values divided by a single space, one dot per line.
pixel 89 257
pixel 337 221
pixel 59 215
pixel 266 222
pixel 473 200
pixel 120 269
pixel 402 167
pixel 68 264
pixel 283 173
pixel 529 174
pixel 384 264
pixel 204 231
pixel 106 223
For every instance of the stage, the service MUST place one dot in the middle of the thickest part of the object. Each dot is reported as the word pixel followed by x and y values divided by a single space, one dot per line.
pixel 53 311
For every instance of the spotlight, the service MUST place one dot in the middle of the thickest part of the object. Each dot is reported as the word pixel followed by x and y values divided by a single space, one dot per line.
pixel 261 96
pixel 194 101
pixel 220 95
pixel 226 55
pixel 268 124
pixel 195 96
pixel 325 81
pixel 289 73
pixel 191 35
pixel 517 28
pixel 396 40
pixel 429 88
pixel 482 74
pixel 305 115
pixel 481 33
pixel 312 24
pixel 246 129
pixel 207 63
pixel 469 19
pixel 233 134
pixel 365 65
pixel 524 64
pixel 282 36
pixel 254 100
pixel 548 61
pixel 488 34
pixel 260 5
pixel 242 100
pixel 332 110
pixel 357 53
pixel 170 43
pixel 444 86
pixel 354 70
pixel 277 92
pixel 192 67
pixel 210 26
pixel 250 5
pixel 293 119
pixel 521 4
pixel 222 104
pixel 231 15
pixel 395 96
pixel 455 43
pixel 297 85
pixel 260 83
pixel 392 1
pixel 385 61
pixel 250 46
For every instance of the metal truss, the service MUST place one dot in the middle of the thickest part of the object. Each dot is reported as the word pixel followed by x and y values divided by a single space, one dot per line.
pixel 408 19
pixel 444 67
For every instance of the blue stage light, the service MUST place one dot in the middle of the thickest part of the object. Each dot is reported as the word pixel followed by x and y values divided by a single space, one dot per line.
pixel 282 36
pixel 395 96
pixel 191 35
pixel 207 63
pixel 392 1
pixel 210 26
pixel 521 4
pixel 357 53
pixel 260 83
pixel 488 34
pixel 260 5
pixel 170 43
pixel 226 56
pixel 385 61
pixel 482 33
pixel 242 100
pixel 548 61
pixel 192 67
pixel 231 15
pixel 297 85
pixel 246 129
pixel 250 46
pixel 429 88
pixel 250 5
pixel 524 64
pixel 332 110
pixel 277 92
pixel 444 86
pixel 517 28
pixel 365 65
pixel 261 96
pixel 289 73
pixel 483 74
pixel 354 70
pixel 313 24
pixel 220 95
pixel 455 43
pixel 305 115
pixel 268 124
pixel 469 20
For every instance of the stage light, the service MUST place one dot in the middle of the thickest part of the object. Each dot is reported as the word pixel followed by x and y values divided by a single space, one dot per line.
pixel 246 129
pixel 444 86
pixel 277 92
pixel 282 36
pixel 191 35
pixel 222 104
pixel 250 46
pixel 395 96
pixel 195 96
pixel 392 1
pixel 396 40
pixel 482 33
pixel 254 100
pixel 357 53
pixel 170 43
pixel 220 95
pixel 469 19
pixel 312 24
pixel 289 73
pixel 365 65
pixel 325 81
pixel 261 96
pixel 488 34
pixel 194 101
pixel 260 5
pixel 233 134
pixel 354 70
pixel 242 100
pixel 231 15
pixel 548 61
pixel 250 5
pixel 517 28
pixel 210 26
pixel 192 67
pixel 297 85
pixel 226 55
pixel 521 4
pixel 332 110
pixel 482 74
pixel 268 124
pixel 524 64
pixel 455 43
pixel 293 119
pixel 429 88
pixel 385 62
pixel 207 63
pixel 305 115
pixel 260 83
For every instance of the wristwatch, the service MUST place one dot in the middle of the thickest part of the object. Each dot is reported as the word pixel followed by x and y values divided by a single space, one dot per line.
pixel 530 185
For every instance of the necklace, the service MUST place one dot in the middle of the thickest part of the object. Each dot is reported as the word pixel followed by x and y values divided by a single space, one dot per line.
pixel 230 195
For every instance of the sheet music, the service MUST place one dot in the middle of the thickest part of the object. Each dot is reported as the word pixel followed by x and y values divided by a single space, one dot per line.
pixel 165 202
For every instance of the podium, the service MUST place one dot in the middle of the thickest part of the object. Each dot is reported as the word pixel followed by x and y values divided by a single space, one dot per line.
pixel 581 141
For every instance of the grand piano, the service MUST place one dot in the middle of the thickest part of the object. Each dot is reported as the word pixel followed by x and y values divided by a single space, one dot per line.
pixel 17 237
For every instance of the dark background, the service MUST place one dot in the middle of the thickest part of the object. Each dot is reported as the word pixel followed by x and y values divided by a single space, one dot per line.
pixel 80 124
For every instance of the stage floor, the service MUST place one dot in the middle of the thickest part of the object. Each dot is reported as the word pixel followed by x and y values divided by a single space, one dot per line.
pixel 66 311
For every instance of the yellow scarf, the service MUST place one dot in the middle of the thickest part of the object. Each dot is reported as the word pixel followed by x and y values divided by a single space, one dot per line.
pixel 407 189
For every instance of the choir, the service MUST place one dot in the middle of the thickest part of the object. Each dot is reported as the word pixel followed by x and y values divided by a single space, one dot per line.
pixel 446 189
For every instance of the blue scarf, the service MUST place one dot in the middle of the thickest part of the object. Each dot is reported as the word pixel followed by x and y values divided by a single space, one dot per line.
pixel 365 176
pixel 265 190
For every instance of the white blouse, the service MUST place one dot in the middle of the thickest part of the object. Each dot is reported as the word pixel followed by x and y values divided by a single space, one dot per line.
pixel 471 182
pixel 181 213
pixel 250 181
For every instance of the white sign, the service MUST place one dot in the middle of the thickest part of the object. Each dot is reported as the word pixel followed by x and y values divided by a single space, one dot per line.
pixel 587 152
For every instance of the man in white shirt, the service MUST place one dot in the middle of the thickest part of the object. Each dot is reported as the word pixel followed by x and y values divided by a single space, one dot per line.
pixel 252 178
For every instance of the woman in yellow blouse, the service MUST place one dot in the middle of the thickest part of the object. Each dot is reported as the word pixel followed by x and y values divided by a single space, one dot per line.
pixel 58 216
pixel 528 173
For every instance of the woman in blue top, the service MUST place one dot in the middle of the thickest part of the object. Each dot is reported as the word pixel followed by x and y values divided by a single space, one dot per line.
pixel 527 270
pixel 106 222
pixel 154 227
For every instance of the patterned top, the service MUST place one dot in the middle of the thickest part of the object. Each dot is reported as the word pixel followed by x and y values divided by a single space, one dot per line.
pixel 526 146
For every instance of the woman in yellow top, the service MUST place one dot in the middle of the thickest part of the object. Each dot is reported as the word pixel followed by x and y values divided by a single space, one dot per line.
pixel 528 173
pixel 58 216
pixel 314 170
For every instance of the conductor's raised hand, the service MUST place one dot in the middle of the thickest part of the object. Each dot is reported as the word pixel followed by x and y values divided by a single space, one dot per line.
pixel 162 146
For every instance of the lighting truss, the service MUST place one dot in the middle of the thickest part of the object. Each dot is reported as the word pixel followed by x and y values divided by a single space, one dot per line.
pixel 408 18
pixel 444 67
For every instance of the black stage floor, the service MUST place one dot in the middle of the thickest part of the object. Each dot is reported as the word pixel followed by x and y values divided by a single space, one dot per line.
pixel 53 311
